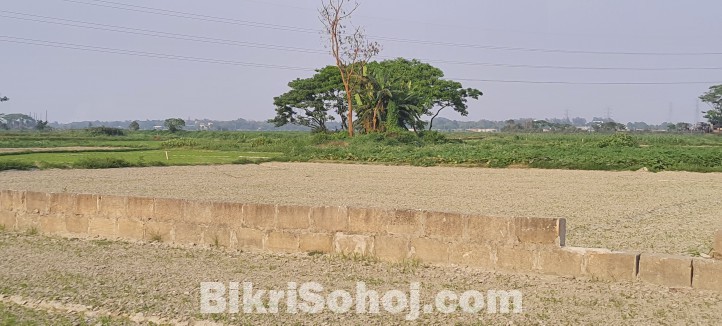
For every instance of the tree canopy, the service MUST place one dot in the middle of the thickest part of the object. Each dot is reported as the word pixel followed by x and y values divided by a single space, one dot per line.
pixel 389 95
pixel 174 124
pixel 4 98
pixel 713 97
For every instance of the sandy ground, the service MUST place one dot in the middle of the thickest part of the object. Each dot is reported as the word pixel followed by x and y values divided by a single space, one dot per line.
pixel 68 281
pixel 668 212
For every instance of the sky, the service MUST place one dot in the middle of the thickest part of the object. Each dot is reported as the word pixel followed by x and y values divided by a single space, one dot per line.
pixel 231 57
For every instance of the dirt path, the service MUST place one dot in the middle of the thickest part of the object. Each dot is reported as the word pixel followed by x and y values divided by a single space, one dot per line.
pixel 669 212
pixel 119 282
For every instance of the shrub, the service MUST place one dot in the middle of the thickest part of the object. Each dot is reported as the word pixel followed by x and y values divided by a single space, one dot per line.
pixel 102 163
pixel 15 165
pixel 106 131
pixel 619 140
pixel 179 142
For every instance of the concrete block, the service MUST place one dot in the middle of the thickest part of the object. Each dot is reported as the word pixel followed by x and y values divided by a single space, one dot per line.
pixel 259 216
pixel 445 225
pixel 717 246
pixel 516 259
pixel 430 250
pixel 37 202
pixel 62 204
pixel 77 224
pixel 322 242
pixel 667 270
pixel 217 236
pixel 281 241
pixel 391 248
pixel 367 220
pixel 480 255
pixel 113 206
pixel 707 274
pixel 483 229
pixel 227 214
pixel 405 222
pixel 8 220
pixel 103 227
pixel 167 210
pixel 546 231
pixel 353 244
pixel 158 231
pixel 611 266
pixel 293 217
pixel 131 229
pixel 140 208
pixel 52 224
pixel 188 233
pixel 197 212
pixel 561 261
pixel 248 238
pixel 329 219
pixel 86 204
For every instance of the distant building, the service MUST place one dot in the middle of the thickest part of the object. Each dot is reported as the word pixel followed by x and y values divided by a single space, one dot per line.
pixel 158 127
pixel 483 130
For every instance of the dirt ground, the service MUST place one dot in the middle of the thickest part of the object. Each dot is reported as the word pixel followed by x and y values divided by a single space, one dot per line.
pixel 58 281
pixel 668 212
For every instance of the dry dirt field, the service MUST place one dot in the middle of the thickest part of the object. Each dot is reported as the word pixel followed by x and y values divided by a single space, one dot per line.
pixel 54 281
pixel 668 212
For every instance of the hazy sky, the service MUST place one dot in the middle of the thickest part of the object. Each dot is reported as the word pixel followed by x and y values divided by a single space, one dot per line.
pixel 77 85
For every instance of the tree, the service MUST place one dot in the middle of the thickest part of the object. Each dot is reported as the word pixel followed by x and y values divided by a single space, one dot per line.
pixel 713 97
pixel 41 125
pixel 174 124
pixel 311 102
pixel 4 98
pixel 351 52
pixel 134 126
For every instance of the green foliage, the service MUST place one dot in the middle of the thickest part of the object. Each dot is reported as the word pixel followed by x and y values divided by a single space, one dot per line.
pixel 174 124
pixel 619 140
pixel 15 165
pixel 102 163
pixel 713 97
pixel 180 143
pixel 134 126
pixel 106 131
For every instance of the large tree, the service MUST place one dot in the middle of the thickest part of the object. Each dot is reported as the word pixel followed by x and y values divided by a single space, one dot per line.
pixel 350 50
pixel 174 124
pixel 313 101
pixel 713 97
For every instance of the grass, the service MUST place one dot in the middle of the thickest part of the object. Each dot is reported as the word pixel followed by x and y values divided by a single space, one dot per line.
pixel 580 151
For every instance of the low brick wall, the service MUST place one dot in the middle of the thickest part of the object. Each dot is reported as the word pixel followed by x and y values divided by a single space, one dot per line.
pixel 522 245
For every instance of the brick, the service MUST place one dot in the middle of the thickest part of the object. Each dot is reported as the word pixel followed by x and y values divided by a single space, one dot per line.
pixel 547 231
pixel 131 229
pixel 258 216
pixel 329 219
pixel 86 204
pixel 430 250
pixel 517 259
pixel 104 227
pixel 140 208
pixel 8 220
pixel 717 246
pixel 227 214
pixel 52 224
pixel 293 217
pixel 167 210
pixel 155 229
pixel 248 238
pixel 390 248
pixel 444 225
pixel 197 212
pixel 187 233
pixel 405 222
pixel 612 266
pixel 353 244
pixel 482 229
pixel 367 220
pixel 62 204
pixel 666 270
pixel 281 241
pixel 474 255
pixel 707 274
pixel 322 242
pixel 113 206
pixel 77 224
pixel 217 236
pixel 562 261
pixel 37 202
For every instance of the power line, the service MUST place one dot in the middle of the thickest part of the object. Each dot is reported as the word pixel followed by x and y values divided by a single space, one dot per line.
pixel 204 39
pixel 186 15
pixel 89 48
